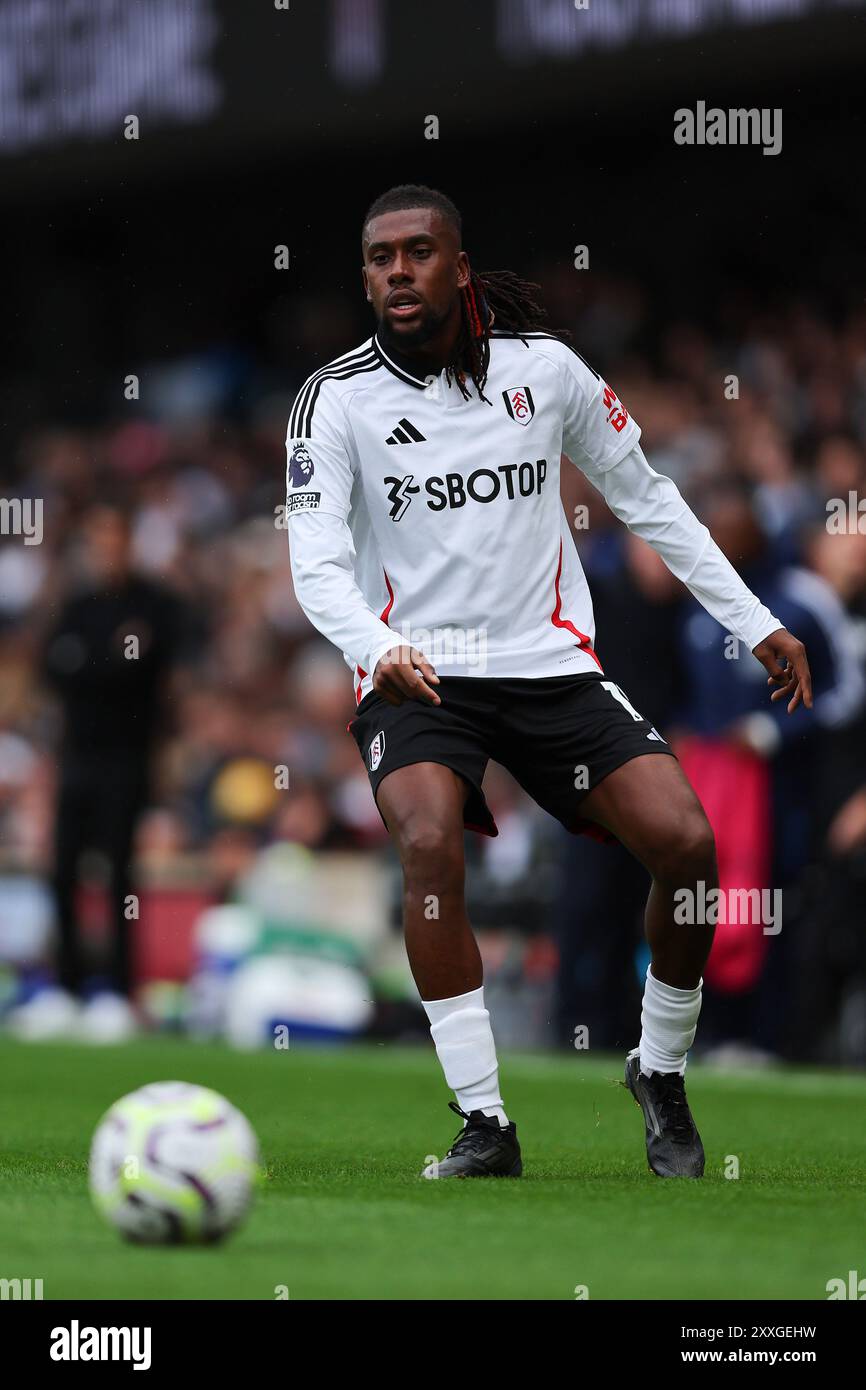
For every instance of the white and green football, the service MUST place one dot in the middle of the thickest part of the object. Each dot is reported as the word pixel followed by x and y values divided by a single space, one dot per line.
pixel 173 1163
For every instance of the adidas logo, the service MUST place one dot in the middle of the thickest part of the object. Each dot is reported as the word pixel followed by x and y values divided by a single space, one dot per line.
pixel 405 433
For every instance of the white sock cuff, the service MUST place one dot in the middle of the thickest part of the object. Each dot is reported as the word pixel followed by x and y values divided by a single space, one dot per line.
pixel 464 1043
pixel 669 1021
pixel 669 993
pixel 437 1009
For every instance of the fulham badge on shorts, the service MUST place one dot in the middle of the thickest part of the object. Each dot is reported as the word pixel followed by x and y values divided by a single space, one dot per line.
pixel 377 748
pixel 519 404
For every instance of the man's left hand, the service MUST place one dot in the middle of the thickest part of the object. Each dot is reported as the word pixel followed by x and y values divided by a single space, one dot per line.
pixel 794 677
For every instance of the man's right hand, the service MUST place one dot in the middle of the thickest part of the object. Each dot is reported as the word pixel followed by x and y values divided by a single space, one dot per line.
pixel 396 678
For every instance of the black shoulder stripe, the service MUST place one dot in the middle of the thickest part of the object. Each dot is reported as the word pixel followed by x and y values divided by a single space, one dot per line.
pixel 552 338
pixel 351 360
pixel 530 333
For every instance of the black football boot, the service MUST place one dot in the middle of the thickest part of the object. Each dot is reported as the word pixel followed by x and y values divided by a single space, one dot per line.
pixel 673 1145
pixel 482 1149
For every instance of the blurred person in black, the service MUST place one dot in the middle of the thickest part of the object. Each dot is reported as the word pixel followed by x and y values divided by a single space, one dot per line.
pixel 107 659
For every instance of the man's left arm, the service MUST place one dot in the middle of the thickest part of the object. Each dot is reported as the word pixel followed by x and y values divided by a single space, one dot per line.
pixel 653 508
pixel 601 439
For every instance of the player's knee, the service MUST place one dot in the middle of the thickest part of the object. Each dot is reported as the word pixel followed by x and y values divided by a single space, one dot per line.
pixel 431 852
pixel 685 851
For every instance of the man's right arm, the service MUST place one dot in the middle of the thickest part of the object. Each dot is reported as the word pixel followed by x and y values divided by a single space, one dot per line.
pixel 320 549
pixel 321 558
pixel 319 482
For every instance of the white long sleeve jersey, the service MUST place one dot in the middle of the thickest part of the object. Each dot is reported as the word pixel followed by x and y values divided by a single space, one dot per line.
pixel 419 517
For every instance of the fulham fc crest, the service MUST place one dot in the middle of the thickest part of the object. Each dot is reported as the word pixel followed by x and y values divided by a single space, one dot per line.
pixel 377 748
pixel 519 404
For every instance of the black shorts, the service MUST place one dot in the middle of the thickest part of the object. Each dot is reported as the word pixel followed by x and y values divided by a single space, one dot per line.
pixel 558 736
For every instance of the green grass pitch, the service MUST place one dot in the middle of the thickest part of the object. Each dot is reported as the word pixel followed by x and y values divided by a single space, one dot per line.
pixel 342 1214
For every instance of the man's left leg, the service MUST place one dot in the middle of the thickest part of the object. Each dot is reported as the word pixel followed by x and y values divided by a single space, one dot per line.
pixel 650 807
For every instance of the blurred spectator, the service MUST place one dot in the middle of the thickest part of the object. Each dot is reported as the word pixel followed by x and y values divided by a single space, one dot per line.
pixel 107 658
pixel 755 766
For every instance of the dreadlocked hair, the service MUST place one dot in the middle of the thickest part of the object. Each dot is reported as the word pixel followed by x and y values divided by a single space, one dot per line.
pixel 492 297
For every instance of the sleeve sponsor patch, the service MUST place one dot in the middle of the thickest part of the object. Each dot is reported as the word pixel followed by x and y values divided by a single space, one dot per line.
pixel 301 466
pixel 617 415
pixel 302 502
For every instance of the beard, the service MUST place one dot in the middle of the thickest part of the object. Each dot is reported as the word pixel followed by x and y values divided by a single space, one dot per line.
pixel 411 338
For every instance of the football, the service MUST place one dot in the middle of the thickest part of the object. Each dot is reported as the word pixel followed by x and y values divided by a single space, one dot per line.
pixel 173 1163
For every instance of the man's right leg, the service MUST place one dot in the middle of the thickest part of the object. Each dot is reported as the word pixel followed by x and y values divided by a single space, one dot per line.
pixel 423 810
pixel 422 806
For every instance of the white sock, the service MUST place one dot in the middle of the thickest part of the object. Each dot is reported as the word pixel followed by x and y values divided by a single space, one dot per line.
pixel 669 1021
pixel 460 1028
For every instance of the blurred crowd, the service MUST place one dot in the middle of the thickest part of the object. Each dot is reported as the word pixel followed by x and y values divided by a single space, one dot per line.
pixel 759 417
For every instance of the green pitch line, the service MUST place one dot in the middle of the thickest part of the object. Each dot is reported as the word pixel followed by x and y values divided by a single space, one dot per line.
pixel 342 1214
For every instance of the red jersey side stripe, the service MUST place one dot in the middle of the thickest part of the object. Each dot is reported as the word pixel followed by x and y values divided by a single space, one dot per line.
pixel 383 618
pixel 559 621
